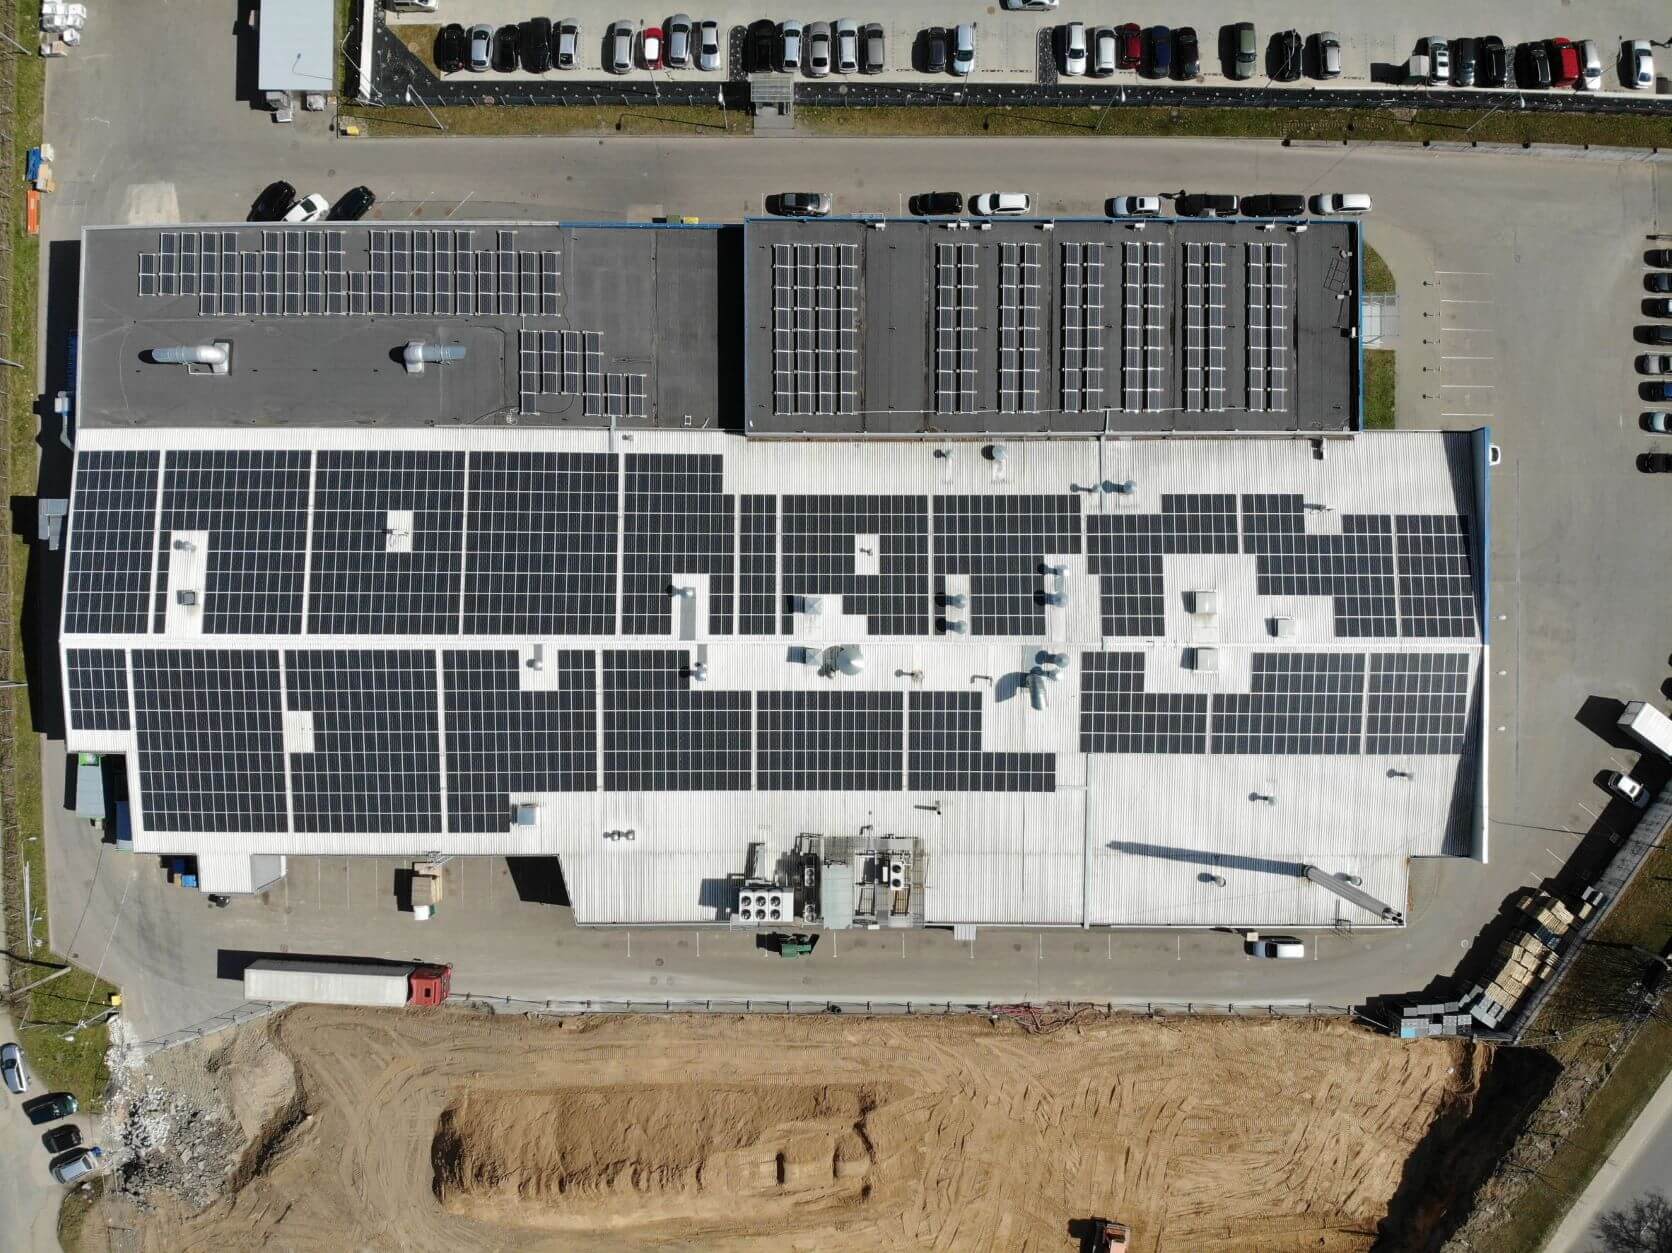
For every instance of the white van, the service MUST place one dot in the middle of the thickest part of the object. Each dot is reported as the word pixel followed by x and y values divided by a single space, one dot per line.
pixel 1341 202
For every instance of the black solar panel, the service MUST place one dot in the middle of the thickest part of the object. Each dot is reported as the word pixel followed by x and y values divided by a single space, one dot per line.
pixel 821 548
pixel 944 753
pixel 1301 703
pixel 376 763
pixel 1419 703
pixel 758 573
pixel 1001 542
pixel 1355 567
pixel 1118 716
pixel 829 741
pixel 662 733
pixel 108 577
pixel 677 522
pixel 1436 576
pixel 1126 551
pixel 376 570
pixel 540 544
pixel 98 689
pixel 502 740
pixel 211 743
pixel 254 506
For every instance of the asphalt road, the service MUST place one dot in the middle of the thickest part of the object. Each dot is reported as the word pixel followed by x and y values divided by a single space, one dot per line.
pixel 1640 1163
pixel 28 1194
pixel 1521 279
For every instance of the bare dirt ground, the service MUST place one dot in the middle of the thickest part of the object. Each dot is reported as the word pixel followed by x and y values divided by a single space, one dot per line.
pixel 446 1131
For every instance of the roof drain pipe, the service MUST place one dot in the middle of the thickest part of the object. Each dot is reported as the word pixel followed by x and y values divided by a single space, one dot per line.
pixel 217 356
pixel 418 354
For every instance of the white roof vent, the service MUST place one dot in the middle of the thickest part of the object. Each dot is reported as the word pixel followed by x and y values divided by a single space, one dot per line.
pixel 1283 628
pixel 1205 601
pixel 1206 660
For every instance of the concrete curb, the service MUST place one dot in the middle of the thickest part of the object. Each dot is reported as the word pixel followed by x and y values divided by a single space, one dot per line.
pixel 1570 1236
pixel 1572 152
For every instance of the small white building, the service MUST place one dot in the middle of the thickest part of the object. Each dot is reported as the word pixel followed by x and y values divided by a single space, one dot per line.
pixel 296 39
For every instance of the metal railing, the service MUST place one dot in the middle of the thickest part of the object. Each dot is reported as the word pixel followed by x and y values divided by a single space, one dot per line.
pixel 893 1008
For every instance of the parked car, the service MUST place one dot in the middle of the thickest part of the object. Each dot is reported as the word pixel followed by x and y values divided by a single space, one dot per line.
pixel 1134 206
pixel 1206 205
pixel 963 49
pixel 1658 282
pixel 1341 202
pixel 799 204
pixel 1658 421
pixel 873 57
pixel 1329 55
pixel 1494 62
pixel 789 47
pixel 1247 51
pixel 1158 52
pixel 620 48
pixel 1658 256
pixel 708 45
pixel 273 202
pixel 1030 4
pixel 760 46
pixel 1590 65
pixel 1103 56
pixel 536 43
pixel 1655 334
pixel 937 203
pixel 1463 55
pixel 505 41
pixel 1286 50
pixel 566 44
pixel 13 1070
pixel 934 50
pixel 651 48
pixel 50 1108
pixel 77 1165
pixel 847 47
pixel 62 1139
pixel 1564 62
pixel 481 48
pixel 816 60
pixel 308 209
pixel 1274 205
pixel 352 205
pixel 1533 66
pixel 1073 39
pixel 1131 52
pixel 1640 66
pixel 1187 56
pixel 1627 788
pixel 677 33
pixel 1657 390
pixel 1283 947
pixel 1654 363
pixel 1656 462
pixel 452 49
pixel 992 204
pixel 1438 51
pixel 1658 308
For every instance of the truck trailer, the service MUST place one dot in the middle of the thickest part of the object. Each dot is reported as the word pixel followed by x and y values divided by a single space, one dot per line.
pixel 347 982
pixel 1648 726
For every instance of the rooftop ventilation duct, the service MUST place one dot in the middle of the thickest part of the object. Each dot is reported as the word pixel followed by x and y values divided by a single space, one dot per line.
pixel 216 356
pixel 418 354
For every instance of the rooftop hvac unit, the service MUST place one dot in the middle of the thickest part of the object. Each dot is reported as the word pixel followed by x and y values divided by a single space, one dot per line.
pixel 1206 660
pixel 1283 628
pixel 186 596
pixel 526 815
pixel 757 905
pixel 896 875
pixel 1205 601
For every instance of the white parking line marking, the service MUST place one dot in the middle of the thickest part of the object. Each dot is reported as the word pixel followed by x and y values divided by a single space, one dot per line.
pixel 1468 415
pixel 1468 386
pixel 1469 330
pixel 1458 300
pixel 1589 810
pixel 1468 358
pixel 1467 273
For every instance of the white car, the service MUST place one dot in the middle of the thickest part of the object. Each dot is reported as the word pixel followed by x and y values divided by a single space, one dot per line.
pixel 77 1165
pixel 1439 60
pixel 847 46
pixel 789 47
pixel 1134 206
pixel 1590 65
pixel 1029 4
pixel 1074 49
pixel 308 209
pixel 1627 789
pixel 11 1066
pixel 1341 202
pixel 619 59
pixel 1641 65
pixel 1283 947
pixel 993 204
pixel 708 45
pixel 963 50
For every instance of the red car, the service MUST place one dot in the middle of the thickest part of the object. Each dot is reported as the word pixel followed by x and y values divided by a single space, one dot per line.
pixel 650 47
pixel 1564 63
pixel 1130 41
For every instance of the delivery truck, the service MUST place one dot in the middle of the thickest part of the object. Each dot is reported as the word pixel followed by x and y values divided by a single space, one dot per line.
pixel 1648 726
pixel 347 982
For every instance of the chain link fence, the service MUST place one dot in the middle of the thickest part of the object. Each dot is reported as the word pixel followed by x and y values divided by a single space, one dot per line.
pixel 247 1012
pixel 897 1008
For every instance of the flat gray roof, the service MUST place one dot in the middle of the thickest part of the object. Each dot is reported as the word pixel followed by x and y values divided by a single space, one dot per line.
pixel 561 325
pixel 296 38
pixel 1072 325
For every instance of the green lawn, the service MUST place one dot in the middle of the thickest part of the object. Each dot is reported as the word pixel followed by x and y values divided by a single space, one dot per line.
pixel 554 120
pixel 1380 383
pixel 1378 279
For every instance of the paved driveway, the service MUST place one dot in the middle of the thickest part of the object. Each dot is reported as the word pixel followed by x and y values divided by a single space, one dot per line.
pixel 28 1195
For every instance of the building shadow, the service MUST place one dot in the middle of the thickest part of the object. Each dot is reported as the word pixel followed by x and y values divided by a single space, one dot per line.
pixel 538 880
pixel 246 39
pixel 729 312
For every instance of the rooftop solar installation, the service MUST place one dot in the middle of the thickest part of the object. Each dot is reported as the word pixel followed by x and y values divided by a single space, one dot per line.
pixel 1087 675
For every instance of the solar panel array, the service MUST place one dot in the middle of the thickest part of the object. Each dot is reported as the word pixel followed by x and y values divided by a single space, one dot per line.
pixel 1204 327
pixel 1269 327
pixel 1144 326
pixel 1082 327
pixel 1354 567
pixel 1118 716
pixel 1307 703
pixel 956 327
pixel 829 741
pixel 815 329
pixel 676 521
pixel 819 557
pixel 1436 575
pixel 1419 703
pixel 1002 543
pixel 662 734
pixel 571 363
pixel 98 688
pixel 1019 327
pixel 944 752
pixel 1126 550
pixel 113 512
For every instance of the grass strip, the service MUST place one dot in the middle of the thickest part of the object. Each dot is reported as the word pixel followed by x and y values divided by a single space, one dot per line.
pixel 1380 389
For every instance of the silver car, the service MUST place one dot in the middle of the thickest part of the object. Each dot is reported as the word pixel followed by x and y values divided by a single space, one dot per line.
pixel 789 47
pixel 677 33
pixel 847 47
pixel 568 44
pixel 620 45
pixel 481 48
pixel 818 49
pixel 963 49
pixel 11 1067
pixel 708 45
pixel 1329 55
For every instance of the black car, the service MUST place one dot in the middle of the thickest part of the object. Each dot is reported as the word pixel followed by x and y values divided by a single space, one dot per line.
pixel 505 41
pixel 1274 205
pixel 536 44
pixel 1655 334
pixel 1463 61
pixel 1533 68
pixel 1286 49
pixel 353 206
pixel 1198 204
pixel 62 1139
pixel 799 204
pixel 1658 256
pixel 1494 62
pixel 1187 57
pixel 935 40
pixel 452 49
pixel 1158 52
pixel 273 202
pixel 1655 462
pixel 760 46
pixel 937 203
pixel 1659 282
pixel 50 1108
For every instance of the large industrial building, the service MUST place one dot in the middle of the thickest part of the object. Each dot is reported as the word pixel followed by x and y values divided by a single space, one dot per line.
pixel 858 573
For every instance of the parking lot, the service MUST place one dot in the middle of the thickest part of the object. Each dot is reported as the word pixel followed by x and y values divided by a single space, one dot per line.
pixel 1021 47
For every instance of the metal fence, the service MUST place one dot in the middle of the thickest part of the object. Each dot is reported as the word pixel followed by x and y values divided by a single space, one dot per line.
pixel 237 1017
pixel 896 1008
